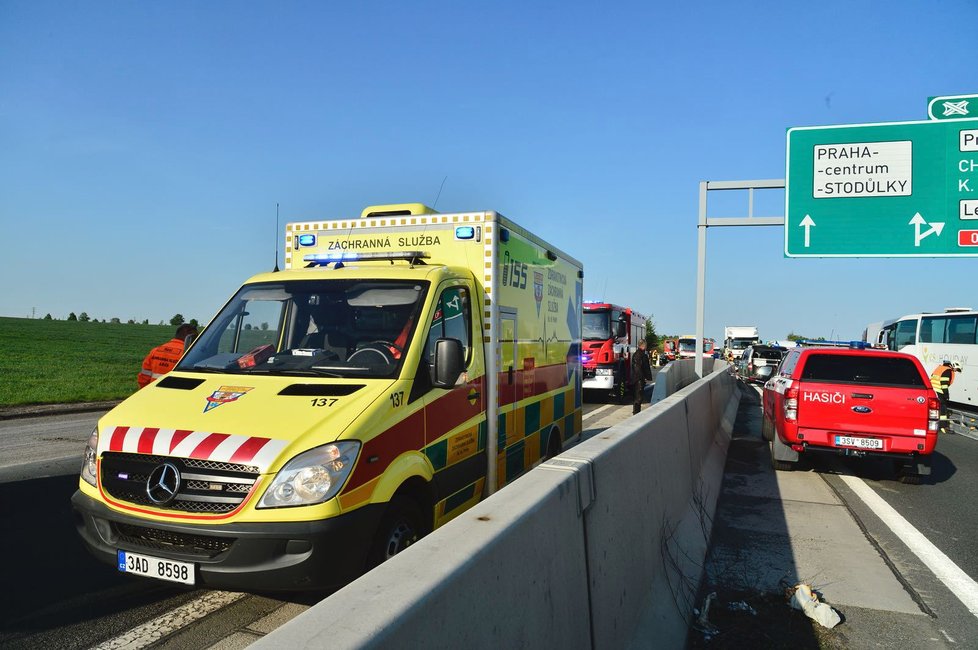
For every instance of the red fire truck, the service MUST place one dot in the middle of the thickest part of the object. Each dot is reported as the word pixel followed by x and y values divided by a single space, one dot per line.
pixel 669 350
pixel 611 333
pixel 687 346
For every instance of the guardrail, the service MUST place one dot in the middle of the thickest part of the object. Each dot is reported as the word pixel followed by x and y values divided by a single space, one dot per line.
pixel 601 547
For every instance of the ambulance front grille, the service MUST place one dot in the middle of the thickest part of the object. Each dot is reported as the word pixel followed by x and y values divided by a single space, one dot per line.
pixel 209 487
pixel 167 540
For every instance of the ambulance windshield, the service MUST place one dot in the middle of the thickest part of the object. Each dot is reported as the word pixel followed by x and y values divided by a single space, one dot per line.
pixel 328 328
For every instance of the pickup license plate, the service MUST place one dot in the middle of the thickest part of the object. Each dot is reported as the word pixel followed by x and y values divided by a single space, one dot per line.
pixel 155 567
pixel 864 443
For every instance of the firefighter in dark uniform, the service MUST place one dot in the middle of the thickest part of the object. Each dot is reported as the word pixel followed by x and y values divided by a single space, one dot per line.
pixel 941 380
pixel 640 373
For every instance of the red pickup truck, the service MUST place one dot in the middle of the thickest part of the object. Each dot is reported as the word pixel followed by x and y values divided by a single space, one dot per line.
pixel 852 402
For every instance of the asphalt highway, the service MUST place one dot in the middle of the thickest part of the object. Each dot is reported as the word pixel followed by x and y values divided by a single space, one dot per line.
pixel 897 561
pixel 64 598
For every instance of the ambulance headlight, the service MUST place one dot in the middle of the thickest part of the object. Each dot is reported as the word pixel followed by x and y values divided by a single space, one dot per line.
pixel 89 466
pixel 313 476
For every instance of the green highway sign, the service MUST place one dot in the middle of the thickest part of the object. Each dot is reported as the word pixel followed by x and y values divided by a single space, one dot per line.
pixel 952 107
pixel 901 189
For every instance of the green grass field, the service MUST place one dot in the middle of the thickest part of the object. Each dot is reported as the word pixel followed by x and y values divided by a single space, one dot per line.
pixel 53 361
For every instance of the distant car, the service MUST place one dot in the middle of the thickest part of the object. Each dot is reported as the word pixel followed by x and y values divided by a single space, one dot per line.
pixel 852 402
pixel 758 362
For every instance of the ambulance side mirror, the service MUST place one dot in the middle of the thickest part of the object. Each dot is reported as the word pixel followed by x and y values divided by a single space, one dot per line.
pixel 449 362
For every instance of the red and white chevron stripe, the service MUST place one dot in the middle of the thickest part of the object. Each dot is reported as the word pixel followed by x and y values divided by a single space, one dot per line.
pixel 202 445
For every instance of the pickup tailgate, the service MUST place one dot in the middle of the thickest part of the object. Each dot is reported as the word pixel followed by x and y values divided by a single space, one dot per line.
pixel 865 395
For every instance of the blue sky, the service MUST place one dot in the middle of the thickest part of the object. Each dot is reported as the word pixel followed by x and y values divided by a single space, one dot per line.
pixel 144 145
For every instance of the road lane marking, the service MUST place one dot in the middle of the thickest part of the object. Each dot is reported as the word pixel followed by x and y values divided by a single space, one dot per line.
pixel 960 584
pixel 161 626
pixel 596 411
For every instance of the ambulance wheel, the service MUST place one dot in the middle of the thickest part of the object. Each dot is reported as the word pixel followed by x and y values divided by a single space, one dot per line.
pixel 553 446
pixel 400 527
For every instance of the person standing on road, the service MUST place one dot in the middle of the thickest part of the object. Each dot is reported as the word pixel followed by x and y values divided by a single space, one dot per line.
pixel 162 358
pixel 941 380
pixel 641 372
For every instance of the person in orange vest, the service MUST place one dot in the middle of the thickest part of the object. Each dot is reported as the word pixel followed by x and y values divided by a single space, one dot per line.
pixel 162 358
pixel 941 380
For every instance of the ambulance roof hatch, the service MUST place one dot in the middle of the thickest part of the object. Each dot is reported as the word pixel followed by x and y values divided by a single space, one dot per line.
pixel 396 210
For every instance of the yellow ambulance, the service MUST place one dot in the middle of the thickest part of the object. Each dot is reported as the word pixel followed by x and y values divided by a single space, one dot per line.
pixel 403 366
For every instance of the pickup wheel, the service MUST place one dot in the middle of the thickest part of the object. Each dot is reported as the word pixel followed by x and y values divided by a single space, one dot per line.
pixel 780 453
pixel 907 473
pixel 767 428
pixel 401 526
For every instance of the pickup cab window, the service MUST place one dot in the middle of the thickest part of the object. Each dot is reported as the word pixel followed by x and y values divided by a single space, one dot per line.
pixel 868 370
pixel 789 363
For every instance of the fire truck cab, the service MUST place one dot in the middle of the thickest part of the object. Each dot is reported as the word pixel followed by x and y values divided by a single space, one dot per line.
pixel 611 334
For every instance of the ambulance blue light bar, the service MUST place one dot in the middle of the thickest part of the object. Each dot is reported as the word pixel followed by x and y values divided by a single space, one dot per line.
pixel 353 256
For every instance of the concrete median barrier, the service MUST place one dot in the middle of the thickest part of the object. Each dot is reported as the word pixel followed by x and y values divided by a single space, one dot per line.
pixel 601 547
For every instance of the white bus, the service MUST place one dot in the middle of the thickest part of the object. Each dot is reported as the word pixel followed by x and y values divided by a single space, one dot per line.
pixel 935 337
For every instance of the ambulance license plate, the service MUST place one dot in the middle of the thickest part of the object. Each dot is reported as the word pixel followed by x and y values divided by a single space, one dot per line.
pixel 863 443
pixel 155 567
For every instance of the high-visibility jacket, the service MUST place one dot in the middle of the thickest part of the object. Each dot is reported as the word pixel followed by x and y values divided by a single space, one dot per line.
pixel 941 379
pixel 160 361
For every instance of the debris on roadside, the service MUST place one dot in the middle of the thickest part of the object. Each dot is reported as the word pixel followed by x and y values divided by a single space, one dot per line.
pixel 739 618
pixel 803 598
pixel 741 606
pixel 702 622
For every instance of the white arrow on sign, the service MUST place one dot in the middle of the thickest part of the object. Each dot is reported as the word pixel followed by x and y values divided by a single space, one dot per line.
pixel 807 224
pixel 918 221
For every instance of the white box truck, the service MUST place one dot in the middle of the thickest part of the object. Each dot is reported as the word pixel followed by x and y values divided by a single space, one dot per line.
pixel 737 338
